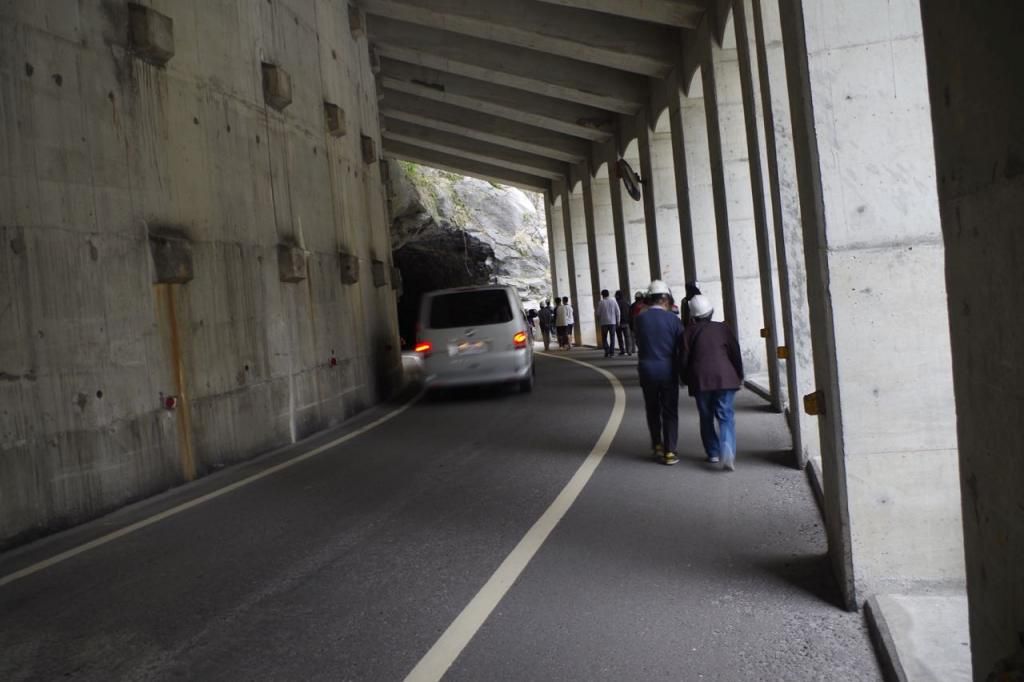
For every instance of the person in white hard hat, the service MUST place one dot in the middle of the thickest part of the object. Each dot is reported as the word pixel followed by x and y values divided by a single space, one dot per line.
pixel 659 336
pixel 712 369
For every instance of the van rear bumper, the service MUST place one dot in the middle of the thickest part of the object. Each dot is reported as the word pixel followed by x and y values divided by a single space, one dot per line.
pixel 438 374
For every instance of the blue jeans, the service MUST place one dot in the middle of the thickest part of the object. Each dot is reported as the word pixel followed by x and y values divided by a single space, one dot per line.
pixel 717 405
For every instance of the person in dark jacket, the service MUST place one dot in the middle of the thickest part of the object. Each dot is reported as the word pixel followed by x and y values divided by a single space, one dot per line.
pixel 659 335
pixel 624 331
pixel 712 369
pixel 692 289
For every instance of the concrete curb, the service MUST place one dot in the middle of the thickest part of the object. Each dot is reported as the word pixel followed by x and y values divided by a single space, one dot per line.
pixel 885 645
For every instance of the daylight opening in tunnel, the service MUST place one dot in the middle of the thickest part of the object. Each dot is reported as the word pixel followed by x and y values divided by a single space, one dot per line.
pixel 449 230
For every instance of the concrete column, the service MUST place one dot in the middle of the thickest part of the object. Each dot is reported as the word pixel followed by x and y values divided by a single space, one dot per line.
pixel 680 174
pixel 973 54
pixel 586 322
pixel 568 211
pixel 757 192
pixel 746 277
pixel 604 231
pixel 636 228
pixel 643 143
pixel 866 172
pixel 788 229
pixel 721 202
pixel 701 192
pixel 582 297
pixel 664 182
pixel 609 153
pixel 556 256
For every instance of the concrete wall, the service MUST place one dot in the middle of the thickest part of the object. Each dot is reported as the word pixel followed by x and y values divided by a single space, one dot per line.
pixel 878 306
pixel 973 52
pixel 604 231
pixel 99 151
pixel 669 239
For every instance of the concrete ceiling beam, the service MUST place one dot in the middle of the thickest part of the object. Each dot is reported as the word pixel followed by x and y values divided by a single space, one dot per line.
pixel 502 132
pixel 535 72
pixel 517 105
pixel 475 150
pixel 633 46
pixel 455 164
pixel 677 13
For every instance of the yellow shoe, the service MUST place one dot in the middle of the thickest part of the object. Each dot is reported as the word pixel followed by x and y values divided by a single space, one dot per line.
pixel 670 458
pixel 659 452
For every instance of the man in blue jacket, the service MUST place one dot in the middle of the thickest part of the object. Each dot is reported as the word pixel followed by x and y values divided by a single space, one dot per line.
pixel 659 335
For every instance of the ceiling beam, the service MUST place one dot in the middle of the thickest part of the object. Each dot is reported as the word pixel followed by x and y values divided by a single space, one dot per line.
pixel 677 13
pixel 439 116
pixel 475 150
pixel 637 47
pixel 455 164
pixel 535 72
pixel 517 105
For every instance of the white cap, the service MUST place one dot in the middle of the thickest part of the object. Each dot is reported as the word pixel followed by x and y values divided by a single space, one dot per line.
pixel 657 288
pixel 700 306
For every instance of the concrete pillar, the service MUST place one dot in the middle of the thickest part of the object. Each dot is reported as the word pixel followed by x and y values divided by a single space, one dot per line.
pixel 788 230
pixel 643 143
pixel 872 239
pixel 721 202
pixel 636 228
pixel 680 175
pixel 556 255
pixel 582 298
pixel 604 230
pixel 765 268
pixel 740 223
pixel 700 186
pixel 663 180
pixel 610 155
pixel 586 322
pixel 568 212
pixel 973 54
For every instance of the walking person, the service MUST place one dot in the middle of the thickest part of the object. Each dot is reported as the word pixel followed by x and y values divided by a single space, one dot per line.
pixel 546 319
pixel 623 331
pixel 712 368
pixel 570 320
pixel 560 325
pixel 692 289
pixel 659 337
pixel 608 318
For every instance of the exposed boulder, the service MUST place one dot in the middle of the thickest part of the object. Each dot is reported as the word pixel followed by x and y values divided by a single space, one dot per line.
pixel 450 230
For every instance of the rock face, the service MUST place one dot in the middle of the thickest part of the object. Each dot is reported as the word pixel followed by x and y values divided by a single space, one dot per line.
pixel 449 230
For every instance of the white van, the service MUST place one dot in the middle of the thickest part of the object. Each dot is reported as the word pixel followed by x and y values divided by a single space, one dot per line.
pixel 474 335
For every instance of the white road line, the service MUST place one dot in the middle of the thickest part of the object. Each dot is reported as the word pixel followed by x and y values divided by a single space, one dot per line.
pixel 442 655
pixel 173 511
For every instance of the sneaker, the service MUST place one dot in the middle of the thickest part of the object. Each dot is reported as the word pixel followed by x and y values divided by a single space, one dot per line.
pixel 712 460
pixel 670 458
pixel 659 452
pixel 729 463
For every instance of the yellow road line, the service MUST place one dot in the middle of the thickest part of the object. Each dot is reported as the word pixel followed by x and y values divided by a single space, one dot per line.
pixel 174 511
pixel 442 655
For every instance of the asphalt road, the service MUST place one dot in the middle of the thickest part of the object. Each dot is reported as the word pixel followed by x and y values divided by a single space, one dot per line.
pixel 351 564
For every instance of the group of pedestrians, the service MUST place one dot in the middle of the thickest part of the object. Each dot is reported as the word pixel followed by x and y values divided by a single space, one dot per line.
pixel 703 355
pixel 560 319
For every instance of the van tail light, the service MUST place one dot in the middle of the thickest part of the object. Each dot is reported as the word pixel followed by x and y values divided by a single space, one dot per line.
pixel 424 347
pixel 519 340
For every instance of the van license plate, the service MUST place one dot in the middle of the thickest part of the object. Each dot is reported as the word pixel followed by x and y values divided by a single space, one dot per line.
pixel 467 348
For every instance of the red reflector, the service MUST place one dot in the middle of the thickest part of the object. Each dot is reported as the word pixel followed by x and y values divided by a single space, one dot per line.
pixel 423 347
pixel 519 339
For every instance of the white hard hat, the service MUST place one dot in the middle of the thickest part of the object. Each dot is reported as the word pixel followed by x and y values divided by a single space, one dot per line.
pixel 700 306
pixel 658 288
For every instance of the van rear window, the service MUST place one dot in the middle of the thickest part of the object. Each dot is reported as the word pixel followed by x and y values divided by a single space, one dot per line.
pixel 470 309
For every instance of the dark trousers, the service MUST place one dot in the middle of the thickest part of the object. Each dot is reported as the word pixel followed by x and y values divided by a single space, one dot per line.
pixel 625 335
pixel 661 400
pixel 608 338
pixel 545 333
pixel 563 336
